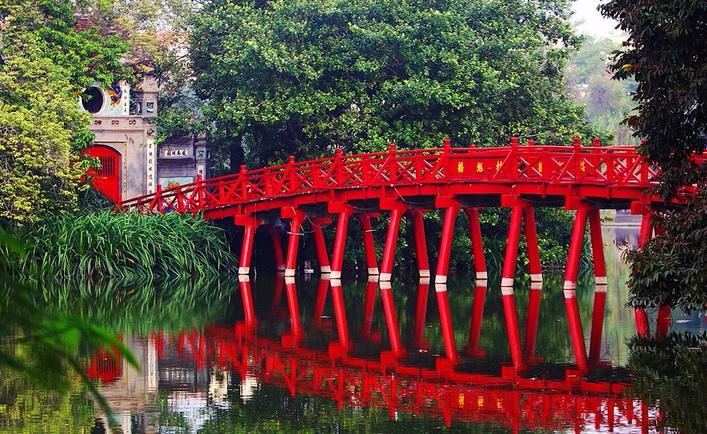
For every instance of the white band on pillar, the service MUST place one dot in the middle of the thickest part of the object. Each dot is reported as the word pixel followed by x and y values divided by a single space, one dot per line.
pixel 385 284
pixel 506 290
pixel 289 272
pixel 569 285
pixel 289 279
pixel 325 269
pixel 599 280
pixel 536 285
pixel 536 277
pixel 507 281
pixel 424 273
pixel 424 281
pixel 600 287
pixel 335 282
pixel 482 283
pixel 440 287
pixel 385 276
pixel 243 278
pixel 373 278
pixel 335 274
pixel 482 275
pixel 373 270
pixel 243 270
pixel 569 293
pixel 440 278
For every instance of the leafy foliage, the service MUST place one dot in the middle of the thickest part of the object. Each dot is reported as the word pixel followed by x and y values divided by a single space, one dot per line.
pixel 303 77
pixel 672 267
pixel 45 62
pixel 665 54
pixel 125 246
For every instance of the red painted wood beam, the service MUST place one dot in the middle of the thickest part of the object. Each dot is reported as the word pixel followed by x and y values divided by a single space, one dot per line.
pixel 507 296
pixel 600 286
pixel 536 284
pixel 369 244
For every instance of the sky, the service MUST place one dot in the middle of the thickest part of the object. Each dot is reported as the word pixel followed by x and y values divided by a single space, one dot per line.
pixel 589 21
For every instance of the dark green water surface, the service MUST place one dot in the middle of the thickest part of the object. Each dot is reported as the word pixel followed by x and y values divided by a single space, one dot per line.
pixel 203 371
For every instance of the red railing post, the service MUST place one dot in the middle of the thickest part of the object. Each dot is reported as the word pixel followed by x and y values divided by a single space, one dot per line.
pixel 243 182
pixel 338 166
pixel 392 163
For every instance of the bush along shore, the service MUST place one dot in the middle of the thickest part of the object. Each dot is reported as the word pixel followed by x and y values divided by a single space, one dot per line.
pixel 125 246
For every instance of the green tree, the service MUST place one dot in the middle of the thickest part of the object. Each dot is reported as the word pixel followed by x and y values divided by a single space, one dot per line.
pixel 302 77
pixel 46 59
pixel 665 54
pixel 589 83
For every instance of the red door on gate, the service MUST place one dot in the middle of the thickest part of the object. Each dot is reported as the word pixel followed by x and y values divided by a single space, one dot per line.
pixel 107 178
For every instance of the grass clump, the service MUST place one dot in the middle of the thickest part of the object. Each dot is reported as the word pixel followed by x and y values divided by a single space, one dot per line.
pixel 125 246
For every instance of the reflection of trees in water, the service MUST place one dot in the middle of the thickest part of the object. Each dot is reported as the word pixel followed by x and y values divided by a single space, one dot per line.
pixel 672 374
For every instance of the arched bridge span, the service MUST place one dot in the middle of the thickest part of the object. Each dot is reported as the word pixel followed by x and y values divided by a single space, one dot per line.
pixel 411 182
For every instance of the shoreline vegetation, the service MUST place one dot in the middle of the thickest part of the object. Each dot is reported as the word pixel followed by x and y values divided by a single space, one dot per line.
pixel 124 246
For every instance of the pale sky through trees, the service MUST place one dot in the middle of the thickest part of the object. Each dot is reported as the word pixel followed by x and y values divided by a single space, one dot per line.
pixel 589 21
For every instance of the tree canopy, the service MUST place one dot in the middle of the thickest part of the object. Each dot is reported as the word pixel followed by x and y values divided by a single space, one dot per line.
pixel 665 53
pixel 304 76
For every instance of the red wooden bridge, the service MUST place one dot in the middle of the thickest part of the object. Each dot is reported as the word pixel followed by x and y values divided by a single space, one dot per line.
pixel 412 182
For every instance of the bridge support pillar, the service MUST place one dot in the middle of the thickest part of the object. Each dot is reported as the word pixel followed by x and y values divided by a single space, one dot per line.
pixel 645 234
pixel 445 247
pixel 342 227
pixel 536 283
pixel 477 309
pixel 391 318
pixel 507 277
pixel 391 241
pixel 293 307
pixel 320 301
pixel 277 295
pixel 342 327
pixel 247 300
pixel 423 263
pixel 297 217
pixel 320 245
pixel 250 225
pixel 369 304
pixel 276 248
pixel 600 286
pixel 368 244
pixel 418 337
pixel 571 270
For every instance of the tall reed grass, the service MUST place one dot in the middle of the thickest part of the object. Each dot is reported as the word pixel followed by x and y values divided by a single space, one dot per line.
pixel 125 246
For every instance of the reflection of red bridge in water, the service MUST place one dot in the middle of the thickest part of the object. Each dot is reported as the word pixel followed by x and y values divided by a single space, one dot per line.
pixel 412 182
pixel 502 398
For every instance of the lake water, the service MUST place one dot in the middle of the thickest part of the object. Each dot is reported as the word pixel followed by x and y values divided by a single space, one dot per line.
pixel 203 370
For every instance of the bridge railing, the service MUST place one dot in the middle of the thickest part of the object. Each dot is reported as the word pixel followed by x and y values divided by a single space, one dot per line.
pixel 607 166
